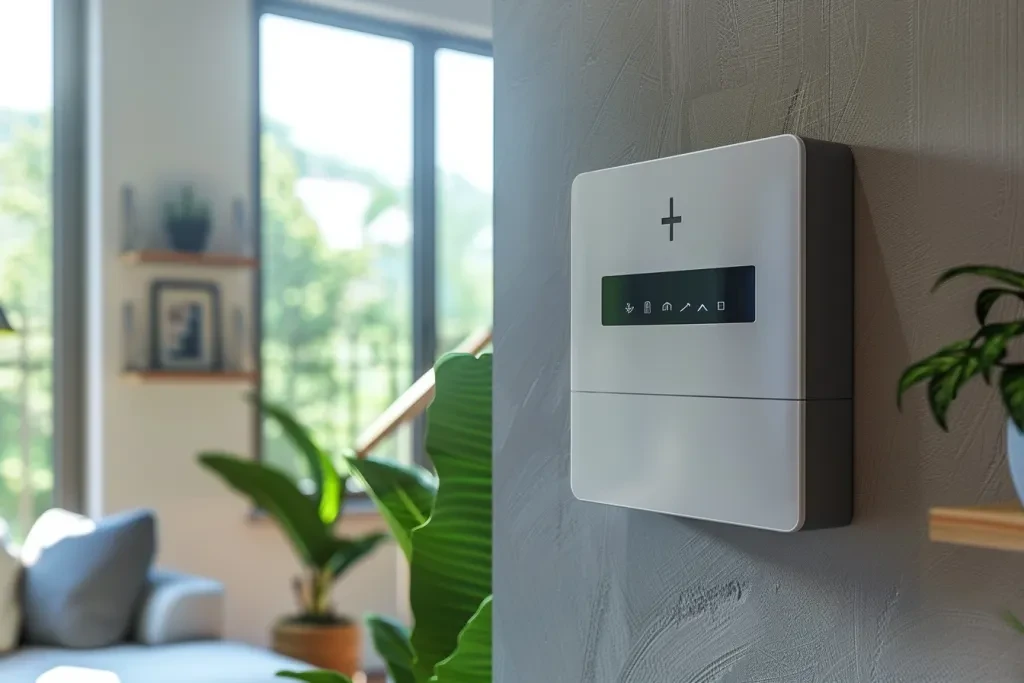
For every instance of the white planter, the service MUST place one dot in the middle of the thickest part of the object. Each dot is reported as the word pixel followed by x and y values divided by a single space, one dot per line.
pixel 1015 457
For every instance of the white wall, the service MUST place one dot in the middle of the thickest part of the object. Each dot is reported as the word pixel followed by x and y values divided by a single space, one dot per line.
pixel 170 101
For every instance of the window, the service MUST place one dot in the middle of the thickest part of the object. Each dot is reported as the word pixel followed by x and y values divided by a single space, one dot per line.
pixel 32 418
pixel 375 215
pixel 465 174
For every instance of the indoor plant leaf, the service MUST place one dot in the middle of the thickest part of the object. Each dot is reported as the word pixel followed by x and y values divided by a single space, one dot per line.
pixel 941 391
pixel 450 573
pixel 1004 275
pixel 944 386
pixel 927 368
pixel 274 492
pixel 329 485
pixel 1011 385
pixel 315 676
pixel 349 551
pixel 987 298
pixel 404 495
pixel 471 661
pixel 994 338
pixel 1014 622
pixel 391 640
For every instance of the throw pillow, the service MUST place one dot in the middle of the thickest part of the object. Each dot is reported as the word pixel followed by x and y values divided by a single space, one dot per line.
pixel 83 589
pixel 10 601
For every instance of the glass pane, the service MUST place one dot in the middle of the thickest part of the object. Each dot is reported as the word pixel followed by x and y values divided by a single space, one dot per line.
pixel 337 235
pixel 465 166
pixel 26 262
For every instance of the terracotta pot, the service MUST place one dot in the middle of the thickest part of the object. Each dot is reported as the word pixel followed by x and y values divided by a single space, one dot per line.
pixel 337 648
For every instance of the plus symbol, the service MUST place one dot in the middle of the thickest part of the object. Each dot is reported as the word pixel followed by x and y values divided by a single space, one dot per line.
pixel 671 219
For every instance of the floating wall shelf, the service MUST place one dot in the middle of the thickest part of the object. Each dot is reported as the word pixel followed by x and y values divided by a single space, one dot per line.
pixel 179 377
pixel 207 260
pixel 999 526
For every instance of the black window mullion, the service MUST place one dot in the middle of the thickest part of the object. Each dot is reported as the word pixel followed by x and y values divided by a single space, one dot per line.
pixel 424 221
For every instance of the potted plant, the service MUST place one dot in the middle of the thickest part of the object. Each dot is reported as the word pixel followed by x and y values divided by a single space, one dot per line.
pixel 187 222
pixel 444 528
pixel 317 634
pixel 985 355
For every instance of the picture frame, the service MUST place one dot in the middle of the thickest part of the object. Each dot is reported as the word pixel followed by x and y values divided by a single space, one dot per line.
pixel 185 326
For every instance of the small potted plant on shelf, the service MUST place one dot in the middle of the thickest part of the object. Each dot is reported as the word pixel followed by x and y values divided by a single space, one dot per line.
pixel 187 222
pixel 317 634
pixel 985 354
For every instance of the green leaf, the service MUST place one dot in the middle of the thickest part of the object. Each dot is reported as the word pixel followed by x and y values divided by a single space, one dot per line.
pixel 404 494
pixel 927 368
pixel 347 552
pixel 273 491
pixel 987 298
pixel 1004 275
pixel 940 395
pixel 1015 623
pixel 391 640
pixel 471 661
pixel 330 487
pixel 994 338
pixel 450 573
pixel 315 676
pixel 1011 385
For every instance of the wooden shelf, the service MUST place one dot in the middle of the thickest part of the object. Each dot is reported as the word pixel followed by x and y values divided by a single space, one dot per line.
pixel 179 377
pixel 999 526
pixel 184 258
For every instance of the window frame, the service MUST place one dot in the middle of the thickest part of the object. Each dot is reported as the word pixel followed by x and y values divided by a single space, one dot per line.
pixel 70 49
pixel 68 253
pixel 425 44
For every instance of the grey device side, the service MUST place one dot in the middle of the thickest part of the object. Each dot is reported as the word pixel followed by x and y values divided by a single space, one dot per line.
pixel 828 464
pixel 828 271
pixel 828 335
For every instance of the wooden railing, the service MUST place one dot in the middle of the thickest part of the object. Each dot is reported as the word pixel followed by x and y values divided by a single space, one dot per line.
pixel 413 401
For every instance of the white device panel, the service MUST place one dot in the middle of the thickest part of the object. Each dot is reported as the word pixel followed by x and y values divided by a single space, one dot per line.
pixel 693 333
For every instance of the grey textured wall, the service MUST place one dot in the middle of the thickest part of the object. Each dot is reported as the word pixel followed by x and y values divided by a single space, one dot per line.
pixel 929 94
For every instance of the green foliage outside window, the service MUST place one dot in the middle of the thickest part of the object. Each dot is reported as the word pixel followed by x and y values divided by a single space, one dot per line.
pixel 337 327
pixel 26 292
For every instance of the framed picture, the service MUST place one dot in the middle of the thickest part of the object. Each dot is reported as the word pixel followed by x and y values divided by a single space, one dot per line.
pixel 185 325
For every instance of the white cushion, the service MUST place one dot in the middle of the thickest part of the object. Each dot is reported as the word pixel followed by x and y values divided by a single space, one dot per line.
pixel 52 526
pixel 201 662
pixel 10 601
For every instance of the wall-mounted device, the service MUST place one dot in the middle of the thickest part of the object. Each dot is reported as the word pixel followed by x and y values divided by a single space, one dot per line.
pixel 712 335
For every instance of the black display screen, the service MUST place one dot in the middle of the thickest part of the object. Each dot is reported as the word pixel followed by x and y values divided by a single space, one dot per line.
pixel 685 297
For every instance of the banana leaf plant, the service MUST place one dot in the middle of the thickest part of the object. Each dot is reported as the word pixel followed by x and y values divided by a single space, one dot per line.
pixel 307 519
pixel 983 354
pixel 445 533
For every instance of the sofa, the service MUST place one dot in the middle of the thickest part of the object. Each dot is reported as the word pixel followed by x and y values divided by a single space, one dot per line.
pixel 81 602
pixel 175 638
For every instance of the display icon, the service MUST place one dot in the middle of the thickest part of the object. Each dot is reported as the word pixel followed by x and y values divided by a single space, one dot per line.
pixel 666 306
pixel 721 305
pixel 647 307
pixel 684 307
pixel 702 307
pixel 630 308
pixel 671 220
